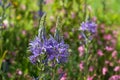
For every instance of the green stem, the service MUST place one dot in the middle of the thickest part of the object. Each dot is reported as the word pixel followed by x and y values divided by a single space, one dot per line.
pixel 86 58
pixel 54 71
pixel 1 60
pixel 85 8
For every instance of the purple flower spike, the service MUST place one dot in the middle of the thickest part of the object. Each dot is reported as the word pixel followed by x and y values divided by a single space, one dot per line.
pixel 56 50
pixel 89 26
pixel 36 46
pixel 48 50
pixel 53 49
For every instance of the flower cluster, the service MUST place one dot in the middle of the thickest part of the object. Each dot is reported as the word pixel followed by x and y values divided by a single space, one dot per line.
pixel 115 77
pixel 88 31
pixel 104 55
pixel 54 50
pixel 36 49
pixel 89 26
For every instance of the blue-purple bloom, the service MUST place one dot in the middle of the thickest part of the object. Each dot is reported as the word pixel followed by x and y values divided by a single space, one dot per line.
pixel 36 46
pixel 54 50
pixel 57 51
pixel 36 49
pixel 89 26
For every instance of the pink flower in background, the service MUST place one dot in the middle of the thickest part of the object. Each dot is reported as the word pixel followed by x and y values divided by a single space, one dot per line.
pixel 102 31
pixel 64 77
pixel 118 61
pixel 24 32
pixel 91 68
pixel 107 37
pixel 73 15
pixel 94 18
pixel 79 37
pixel 52 30
pixel 90 78
pixel 49 1
pixel 114 54
pixel 100 42
pixel 111 64
pixel 115 77
pixel 109 48
pixel 102 26
pixel 104 70
pixel 100 53
pixel 9 75
pixel 117 68
pixel 81 50
pixel 81 65
pixel 19 72
pixel 60 70
pixel 66 35
pixel 113 41
pixel 115 33
pixel 107 62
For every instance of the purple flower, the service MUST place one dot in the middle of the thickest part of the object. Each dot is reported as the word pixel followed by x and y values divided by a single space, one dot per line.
pixel 55 50
pixel 36 47
pixel 33 58
pixel 48 50
pixel 89 26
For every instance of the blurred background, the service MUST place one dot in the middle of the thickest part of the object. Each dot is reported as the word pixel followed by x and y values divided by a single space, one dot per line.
pixel 20 26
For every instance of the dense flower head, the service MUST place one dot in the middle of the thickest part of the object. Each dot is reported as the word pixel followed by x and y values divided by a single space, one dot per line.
pixel 53 49
pixel 89 26
pixel 56 50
